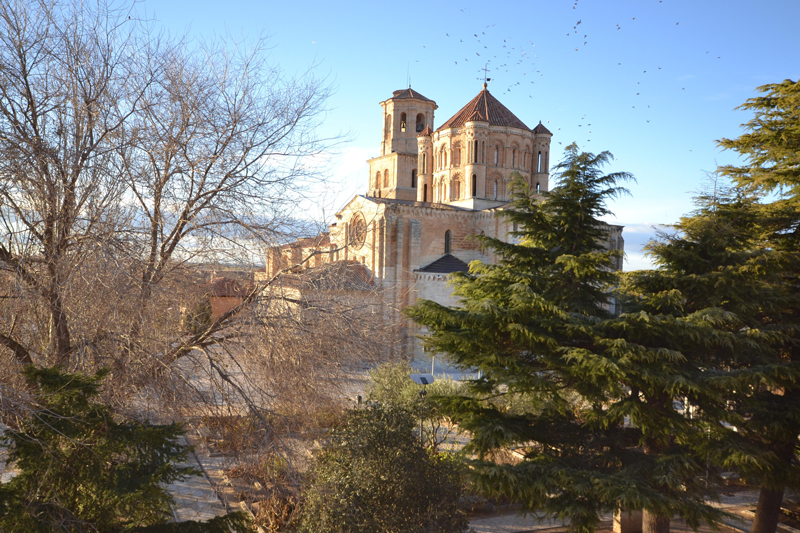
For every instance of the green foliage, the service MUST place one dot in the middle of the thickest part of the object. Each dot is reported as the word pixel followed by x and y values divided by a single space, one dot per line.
pixel 374 476
pixel 766 406
pixel 82 471
pixel 537 327
pixel 199 317
pixel 771 144
pixel 391 384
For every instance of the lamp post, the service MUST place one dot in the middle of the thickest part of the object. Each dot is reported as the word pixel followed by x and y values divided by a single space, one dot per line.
pixel 424 380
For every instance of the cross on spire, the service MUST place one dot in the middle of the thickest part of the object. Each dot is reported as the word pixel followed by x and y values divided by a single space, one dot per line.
pixel 486 79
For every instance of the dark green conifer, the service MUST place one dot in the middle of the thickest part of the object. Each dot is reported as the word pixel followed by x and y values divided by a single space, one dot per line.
pixel 80 470
pixel 770 148
pixel 538 324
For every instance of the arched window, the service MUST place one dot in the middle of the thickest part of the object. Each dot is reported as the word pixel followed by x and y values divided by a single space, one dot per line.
pixel 495 189
pixel 546 162
pixel 538 190
pixel 385 178
pixel 457 156
pixel 539 163
pixel 475 153
pixel 414 178
pixel 457 191
pixel 444 158
pixel 425 193
pixel 378 180
pixel 514 158
pixel 448 238
pixel 496 155
pixel 424 163
pixel 483 151
pixel 420 122
pixel 403 122
pixel 388 131
pixel 474 185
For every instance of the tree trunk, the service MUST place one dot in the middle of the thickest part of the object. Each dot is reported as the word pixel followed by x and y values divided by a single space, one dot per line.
pixel 652 523
pixel 60 338
pixel 768 511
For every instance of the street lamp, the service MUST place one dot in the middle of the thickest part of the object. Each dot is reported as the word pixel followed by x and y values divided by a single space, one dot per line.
pixel 424 380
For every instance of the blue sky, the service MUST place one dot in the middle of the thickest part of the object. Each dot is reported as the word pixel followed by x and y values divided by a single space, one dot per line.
pixel 655 82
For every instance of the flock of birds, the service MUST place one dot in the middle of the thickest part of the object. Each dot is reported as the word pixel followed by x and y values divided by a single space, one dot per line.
pixel 493 58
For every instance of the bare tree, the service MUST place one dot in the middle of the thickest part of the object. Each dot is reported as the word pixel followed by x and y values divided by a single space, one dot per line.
pixel 220 149
pixel 63 101
pixel 125 159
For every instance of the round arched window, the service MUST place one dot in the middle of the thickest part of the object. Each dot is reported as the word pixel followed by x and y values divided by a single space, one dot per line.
pixel 359 231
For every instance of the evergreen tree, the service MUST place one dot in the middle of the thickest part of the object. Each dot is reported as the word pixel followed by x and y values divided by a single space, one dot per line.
pixel 770 148
pixel 715 271
pixel 602 431
pixel 80 470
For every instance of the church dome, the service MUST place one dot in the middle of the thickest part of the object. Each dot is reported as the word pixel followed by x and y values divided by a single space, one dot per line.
pixel 484 108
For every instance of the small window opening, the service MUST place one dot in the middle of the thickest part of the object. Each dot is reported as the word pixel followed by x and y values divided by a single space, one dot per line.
pixel 475 153
pixel 414 178
pixel 420 122
pixel 403 122
pixel 538 188
pixel 474 185
pixel 495 189
pixel 539 164
pixel 425 193
pixel 496 155
pixel 424 163
pixel 448 236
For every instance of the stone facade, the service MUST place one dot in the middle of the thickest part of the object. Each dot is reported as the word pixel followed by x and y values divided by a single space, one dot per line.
pixel 428 191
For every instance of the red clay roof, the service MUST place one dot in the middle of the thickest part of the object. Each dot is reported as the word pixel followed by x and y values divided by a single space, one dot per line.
pixel 344 275
pixel 541 129
pixel 484 108
pixel 409 93
pixel 426 132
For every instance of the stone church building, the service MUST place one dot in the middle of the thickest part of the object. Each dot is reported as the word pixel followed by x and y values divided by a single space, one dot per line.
pixel 428 190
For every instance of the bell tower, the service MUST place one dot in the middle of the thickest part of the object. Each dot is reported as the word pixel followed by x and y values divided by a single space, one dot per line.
pixel 394 174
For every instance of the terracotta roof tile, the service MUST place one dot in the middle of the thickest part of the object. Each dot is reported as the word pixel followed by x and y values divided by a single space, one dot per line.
pixel 409 93
pixel 426 132
pixel 445 265
pixel 396 201
pixel 345 275
pixel 484 108
pixel 541 129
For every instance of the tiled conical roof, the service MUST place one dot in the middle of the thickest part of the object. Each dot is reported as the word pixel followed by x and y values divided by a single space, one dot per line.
pixel 409 93
pixel 541 129
pixel 484 108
